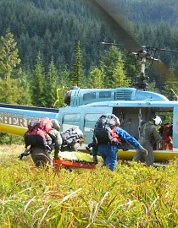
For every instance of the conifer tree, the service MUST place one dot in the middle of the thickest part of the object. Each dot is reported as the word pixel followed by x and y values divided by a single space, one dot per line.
pixel 38 83
pixel 10 89
pixel 108 64
pixel 96 78
pixel 77 76
pixel 9 56
pixel 119 77
pixel 51 85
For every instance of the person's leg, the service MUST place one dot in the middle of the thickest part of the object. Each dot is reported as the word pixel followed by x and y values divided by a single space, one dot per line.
pixel 150 157
pixel 57 146
pixel 41 157
pixel 111 159
pixel 137 155
pixel 103 151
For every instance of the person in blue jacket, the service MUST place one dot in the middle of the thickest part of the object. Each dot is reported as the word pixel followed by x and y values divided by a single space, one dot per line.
pixel 109 151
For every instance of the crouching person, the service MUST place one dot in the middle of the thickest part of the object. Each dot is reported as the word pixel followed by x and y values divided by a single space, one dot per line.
pixel 55 135
pixel 41 138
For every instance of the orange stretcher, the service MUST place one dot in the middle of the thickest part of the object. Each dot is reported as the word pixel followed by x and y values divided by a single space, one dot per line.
pixel 75 160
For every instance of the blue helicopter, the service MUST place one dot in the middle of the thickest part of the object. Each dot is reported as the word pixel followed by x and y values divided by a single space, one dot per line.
pixel 133 106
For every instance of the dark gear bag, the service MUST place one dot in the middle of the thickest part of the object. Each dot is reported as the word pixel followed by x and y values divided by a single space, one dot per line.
pixel 37 131
pixel 103 129
pixel 71 136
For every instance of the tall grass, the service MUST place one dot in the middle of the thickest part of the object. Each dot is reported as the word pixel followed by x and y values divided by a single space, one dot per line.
pixel 132 196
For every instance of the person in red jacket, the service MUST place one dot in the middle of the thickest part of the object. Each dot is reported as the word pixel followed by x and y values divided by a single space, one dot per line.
pixel 166 133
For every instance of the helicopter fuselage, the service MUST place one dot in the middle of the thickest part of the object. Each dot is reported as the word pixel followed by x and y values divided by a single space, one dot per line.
pixel 84 106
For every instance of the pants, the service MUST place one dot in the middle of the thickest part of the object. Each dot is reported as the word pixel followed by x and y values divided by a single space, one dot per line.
pixel 41 157
pixel 109 155
pixel 140 157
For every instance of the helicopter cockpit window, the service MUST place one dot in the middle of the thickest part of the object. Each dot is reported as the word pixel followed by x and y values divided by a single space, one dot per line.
pixel 104 94
pixel 90 121
pixel 70 120
pixel 89 96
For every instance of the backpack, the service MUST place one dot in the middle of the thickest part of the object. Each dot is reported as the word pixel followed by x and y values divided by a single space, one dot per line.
pixel 37 131
pixel 71 136
pixel 103 129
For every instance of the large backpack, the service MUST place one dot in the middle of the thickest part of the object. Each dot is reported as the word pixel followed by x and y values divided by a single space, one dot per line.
pixel 103 129
pixel 37 131
pixel 71 136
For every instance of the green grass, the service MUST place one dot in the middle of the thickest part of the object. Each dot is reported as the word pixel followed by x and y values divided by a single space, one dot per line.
pixel 132 196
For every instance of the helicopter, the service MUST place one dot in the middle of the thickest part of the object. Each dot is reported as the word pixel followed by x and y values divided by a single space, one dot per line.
pixel 132 106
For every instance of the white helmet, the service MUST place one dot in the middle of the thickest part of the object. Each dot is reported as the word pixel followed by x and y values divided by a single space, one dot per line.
pixel 157 120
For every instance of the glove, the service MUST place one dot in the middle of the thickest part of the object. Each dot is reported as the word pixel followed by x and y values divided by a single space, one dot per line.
pixel 95 159
pixel 114 141
pixel 87 148
pixel 144 151
pixel 47 147
pixel 20 156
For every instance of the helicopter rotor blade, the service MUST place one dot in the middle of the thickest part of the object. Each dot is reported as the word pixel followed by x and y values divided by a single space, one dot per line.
pixel 118 23
pixel 162 68
pixel 114 19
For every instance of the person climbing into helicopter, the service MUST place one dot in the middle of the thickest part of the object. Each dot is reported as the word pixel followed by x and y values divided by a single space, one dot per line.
pixel 109 148
pixel 148 137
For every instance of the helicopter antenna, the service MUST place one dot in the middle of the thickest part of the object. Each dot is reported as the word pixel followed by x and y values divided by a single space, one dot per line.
pixel 174 93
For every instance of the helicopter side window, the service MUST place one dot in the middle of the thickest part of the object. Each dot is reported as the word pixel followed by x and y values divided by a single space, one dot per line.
pixel 104 94
pixel 90 121
pixel 70 120
pixel 89 96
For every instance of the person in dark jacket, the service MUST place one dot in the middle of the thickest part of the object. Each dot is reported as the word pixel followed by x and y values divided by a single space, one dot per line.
pixel 109 151
pixel 148 137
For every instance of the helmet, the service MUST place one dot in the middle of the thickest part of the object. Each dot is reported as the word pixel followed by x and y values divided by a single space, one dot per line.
pixel 56 124
pixel 118 121
pixel 157 120
pixel 114 121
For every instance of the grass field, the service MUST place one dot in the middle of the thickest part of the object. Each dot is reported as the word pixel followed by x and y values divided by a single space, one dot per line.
pixel 132 196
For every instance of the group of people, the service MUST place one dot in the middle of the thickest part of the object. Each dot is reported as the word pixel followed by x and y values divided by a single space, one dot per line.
pixel 108 149
pixel 40 146
pixel 144 145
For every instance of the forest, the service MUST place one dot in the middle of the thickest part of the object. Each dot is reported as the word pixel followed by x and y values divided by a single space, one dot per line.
pixel 48 46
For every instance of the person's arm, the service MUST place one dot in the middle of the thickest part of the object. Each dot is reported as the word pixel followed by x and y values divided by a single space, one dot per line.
pixel 125 135
pixel 156 135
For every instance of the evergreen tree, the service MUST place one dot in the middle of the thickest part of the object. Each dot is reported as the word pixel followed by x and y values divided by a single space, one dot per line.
pixel 77 76
pixel 51 85
pixel 9 56
pixel 38 83
pixel 132 67
pixel 10 87
pixel 108 64
pixel 96 78
pixel 119 77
